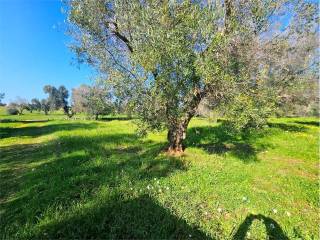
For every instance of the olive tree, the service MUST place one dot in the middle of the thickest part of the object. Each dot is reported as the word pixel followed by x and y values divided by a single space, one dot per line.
pixel 58 98
pixel 93 100
pixel 20 104
pixel 99 101
pixel 45 106
pixel 79 98
pixel 169 55
pixel 35 104
pixel 12 109
pixel 1 97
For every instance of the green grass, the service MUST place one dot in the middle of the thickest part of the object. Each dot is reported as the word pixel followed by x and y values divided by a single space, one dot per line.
pixel 97 179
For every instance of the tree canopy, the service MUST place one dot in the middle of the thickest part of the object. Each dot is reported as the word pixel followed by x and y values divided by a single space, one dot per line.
pixel 45 106
pixel 58 98
pixel 80 98
pixel 1 97
pixel 94 100
pixel 35 104
pixel 18 106
pixel 167 56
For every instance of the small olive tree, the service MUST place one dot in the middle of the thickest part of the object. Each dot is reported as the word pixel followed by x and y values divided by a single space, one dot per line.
pixel 169 55
pixel 79 98
pixel 93 100
pixel 12 109
pixel 45 106
pixel 20 104
pixel 1 97
pixel 99 102
pixel 35 104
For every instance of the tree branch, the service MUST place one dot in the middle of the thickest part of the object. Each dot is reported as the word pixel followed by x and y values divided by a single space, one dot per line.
pixel 120 36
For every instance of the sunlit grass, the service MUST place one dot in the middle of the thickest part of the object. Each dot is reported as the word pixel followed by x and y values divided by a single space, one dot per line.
pixel 97 179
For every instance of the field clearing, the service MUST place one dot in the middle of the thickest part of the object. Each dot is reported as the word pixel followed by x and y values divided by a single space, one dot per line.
pixel 97 179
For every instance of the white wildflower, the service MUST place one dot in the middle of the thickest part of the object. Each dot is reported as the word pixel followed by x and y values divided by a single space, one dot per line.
pixel 288 214
pixel 274 211
pixel 219 210
pixel 272 225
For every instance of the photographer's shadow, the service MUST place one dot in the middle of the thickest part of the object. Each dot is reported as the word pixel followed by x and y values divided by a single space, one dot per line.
pixel 273 229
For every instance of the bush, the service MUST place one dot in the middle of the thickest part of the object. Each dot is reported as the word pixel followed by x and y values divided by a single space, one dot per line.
pixel 12 110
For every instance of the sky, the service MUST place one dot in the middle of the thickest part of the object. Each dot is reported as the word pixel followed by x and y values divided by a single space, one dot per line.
pixel 33 50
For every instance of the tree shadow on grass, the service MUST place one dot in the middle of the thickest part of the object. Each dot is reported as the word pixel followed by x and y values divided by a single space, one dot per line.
pixel 36 131
pixel 218 140
pixel 311 123
pixel 112 118
pixel 274 231
pixel 288 127
pixel 71 170
pixel 135 218
pixel 22 121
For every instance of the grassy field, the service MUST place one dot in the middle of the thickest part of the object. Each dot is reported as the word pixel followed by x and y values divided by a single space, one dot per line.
pixel 95 179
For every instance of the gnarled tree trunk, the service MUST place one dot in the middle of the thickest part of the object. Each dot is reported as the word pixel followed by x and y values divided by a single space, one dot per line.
pixel 176 135
pixel 178 130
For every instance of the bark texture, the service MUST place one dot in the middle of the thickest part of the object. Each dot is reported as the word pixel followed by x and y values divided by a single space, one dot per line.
pixel 178 130
pixel 176 135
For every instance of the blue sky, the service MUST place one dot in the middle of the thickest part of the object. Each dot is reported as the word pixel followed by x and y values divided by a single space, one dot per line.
pixel 33 49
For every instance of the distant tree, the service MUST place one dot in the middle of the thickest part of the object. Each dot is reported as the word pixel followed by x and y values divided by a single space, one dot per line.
pixel 302 99
pixel 92 100
pixel 99 101
pixel 58 98
pixel 30 108
pixel 1 97
pixel 35 104
pixel 12 109
pixel 21 104
pixel 79 98
pixel 45 106
pixel 123 103
pixel 63 95
pixel 53 99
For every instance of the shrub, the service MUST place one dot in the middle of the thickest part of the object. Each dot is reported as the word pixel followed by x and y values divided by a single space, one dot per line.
pixel 12 110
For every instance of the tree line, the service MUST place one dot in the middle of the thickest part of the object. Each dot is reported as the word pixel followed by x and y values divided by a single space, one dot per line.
pixel 97 100
pixel 57 98
pixel 93 100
